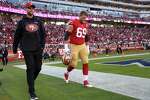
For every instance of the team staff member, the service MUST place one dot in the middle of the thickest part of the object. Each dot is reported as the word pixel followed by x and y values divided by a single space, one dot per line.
pixel 30 34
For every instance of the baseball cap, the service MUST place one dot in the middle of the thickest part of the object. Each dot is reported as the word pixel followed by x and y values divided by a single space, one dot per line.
pixel 29 4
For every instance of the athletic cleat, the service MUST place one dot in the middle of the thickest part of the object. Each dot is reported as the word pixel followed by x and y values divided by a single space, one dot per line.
pixel 33 97
pixel 66 78
pixel 86 84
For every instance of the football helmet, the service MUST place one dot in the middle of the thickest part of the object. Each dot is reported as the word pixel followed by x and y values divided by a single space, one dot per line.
pixel 66 58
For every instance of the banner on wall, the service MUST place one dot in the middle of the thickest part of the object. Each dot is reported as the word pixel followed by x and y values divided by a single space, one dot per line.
pixel 47 15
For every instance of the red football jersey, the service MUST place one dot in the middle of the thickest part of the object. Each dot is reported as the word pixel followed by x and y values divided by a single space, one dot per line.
pixel 77 36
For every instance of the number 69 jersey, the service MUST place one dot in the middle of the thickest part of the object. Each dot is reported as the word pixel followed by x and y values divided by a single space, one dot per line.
pixel 77 36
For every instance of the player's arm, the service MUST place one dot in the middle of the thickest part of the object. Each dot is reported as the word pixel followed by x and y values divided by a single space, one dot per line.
pixel 67 33
pixel 66 37
pixel 87 39
pixel 43 35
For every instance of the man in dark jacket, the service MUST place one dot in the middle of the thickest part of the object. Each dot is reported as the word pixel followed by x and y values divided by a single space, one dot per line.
pixel 30 34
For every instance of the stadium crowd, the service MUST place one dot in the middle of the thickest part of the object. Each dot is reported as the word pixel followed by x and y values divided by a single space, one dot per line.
pixel 100 35
pixel 105 17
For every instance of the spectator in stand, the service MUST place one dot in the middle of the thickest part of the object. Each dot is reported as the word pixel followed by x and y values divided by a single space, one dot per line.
pixel 119 49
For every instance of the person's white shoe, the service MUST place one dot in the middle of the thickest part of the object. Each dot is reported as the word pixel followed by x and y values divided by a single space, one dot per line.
pixel 34 98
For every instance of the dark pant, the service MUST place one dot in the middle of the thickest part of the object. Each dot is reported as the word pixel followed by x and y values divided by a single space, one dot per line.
pixel 33 62
pixel 4 60
pixel 119 50
pixel 107 51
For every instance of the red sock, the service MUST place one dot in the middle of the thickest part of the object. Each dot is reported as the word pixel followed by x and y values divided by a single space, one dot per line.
pixel 85 72
pixel 85 69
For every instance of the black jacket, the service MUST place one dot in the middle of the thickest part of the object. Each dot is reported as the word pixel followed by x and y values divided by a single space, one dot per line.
pixel 30 33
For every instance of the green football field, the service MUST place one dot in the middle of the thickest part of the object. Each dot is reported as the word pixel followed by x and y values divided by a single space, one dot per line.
pixel 14 85
pixel 132 70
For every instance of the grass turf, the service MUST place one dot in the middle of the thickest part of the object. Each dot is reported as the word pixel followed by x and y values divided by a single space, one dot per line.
pixel 132 70
pixel 14 87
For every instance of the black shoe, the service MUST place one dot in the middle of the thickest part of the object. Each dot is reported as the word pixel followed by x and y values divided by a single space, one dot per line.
pixel 33 96
pixel 1 70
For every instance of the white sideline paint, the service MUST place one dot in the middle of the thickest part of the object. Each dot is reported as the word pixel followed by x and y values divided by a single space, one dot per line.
pixel 128 55
pixel 135 87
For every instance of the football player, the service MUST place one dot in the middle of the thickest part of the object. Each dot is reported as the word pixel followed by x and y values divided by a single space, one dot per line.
pixel 76 42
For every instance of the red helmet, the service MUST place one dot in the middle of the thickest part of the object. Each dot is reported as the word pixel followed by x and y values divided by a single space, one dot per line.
pixel 66 59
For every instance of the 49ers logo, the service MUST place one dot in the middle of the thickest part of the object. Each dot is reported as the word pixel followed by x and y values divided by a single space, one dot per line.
pixel 32 27
pixel 81 32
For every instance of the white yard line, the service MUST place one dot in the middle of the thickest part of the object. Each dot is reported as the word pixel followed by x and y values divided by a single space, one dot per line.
pixel 135 87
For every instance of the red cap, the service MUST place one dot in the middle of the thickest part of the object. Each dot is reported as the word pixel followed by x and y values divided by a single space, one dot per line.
pixel 29 4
